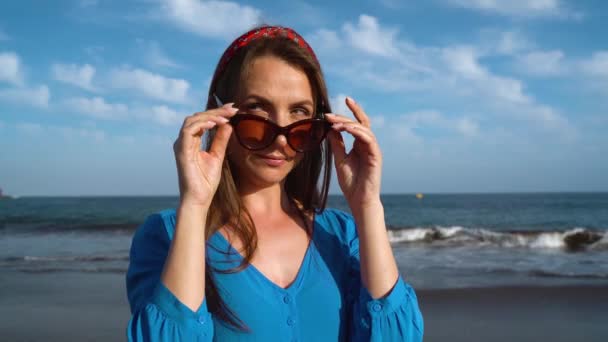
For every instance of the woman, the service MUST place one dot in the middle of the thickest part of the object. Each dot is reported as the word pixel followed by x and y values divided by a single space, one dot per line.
pixel 251 253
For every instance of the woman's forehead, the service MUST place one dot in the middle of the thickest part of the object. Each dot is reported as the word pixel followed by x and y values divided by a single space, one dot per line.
pixel 273 79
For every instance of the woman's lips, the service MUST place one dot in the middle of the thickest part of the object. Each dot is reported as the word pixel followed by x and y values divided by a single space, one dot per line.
pixel 273 161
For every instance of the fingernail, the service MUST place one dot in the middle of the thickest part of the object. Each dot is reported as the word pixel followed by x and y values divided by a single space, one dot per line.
pixel 351 99
pixel 228 105
pixel 337 125
pixel 223 119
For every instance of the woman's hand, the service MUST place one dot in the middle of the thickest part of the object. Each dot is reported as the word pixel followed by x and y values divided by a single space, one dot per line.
pixel 199 171
pixel 359 171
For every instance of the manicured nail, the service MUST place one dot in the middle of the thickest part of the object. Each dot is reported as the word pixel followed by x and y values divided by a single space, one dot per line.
pixel 351 100
pixel 223 119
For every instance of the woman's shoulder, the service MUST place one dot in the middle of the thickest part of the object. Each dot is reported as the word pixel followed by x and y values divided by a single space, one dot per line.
pixel 336 222
pixel 159 223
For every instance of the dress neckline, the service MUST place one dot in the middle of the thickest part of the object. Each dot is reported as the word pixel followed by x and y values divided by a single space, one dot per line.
pixel 295 285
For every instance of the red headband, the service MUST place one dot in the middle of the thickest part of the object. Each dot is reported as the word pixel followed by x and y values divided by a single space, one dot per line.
pixel 262 32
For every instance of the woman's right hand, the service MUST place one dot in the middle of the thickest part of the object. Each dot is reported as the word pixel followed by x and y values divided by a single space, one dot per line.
pixel 199 171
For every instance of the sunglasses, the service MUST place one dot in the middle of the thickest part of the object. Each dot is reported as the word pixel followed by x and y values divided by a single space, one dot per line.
pixel 255 133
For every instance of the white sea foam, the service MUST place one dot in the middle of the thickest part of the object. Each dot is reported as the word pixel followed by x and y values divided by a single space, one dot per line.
pixel 547 240
pixel 575 239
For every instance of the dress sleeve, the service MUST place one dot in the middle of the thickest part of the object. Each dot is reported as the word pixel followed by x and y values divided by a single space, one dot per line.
pixel 394 317
pixel 157 315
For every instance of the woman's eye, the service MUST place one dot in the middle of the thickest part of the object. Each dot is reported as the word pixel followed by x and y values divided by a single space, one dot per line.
pixel 253 106
pixel 301 111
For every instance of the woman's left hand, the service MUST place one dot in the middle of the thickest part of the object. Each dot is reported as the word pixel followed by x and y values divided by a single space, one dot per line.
pixel 359 171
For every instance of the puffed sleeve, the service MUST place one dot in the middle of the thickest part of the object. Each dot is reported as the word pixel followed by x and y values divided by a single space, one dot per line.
pixel 157 315
pixel 395 317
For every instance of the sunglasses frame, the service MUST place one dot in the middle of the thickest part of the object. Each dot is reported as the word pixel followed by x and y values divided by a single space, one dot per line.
pixel 277 130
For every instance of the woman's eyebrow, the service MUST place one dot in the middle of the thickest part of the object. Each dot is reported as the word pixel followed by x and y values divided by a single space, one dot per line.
pixel 266 101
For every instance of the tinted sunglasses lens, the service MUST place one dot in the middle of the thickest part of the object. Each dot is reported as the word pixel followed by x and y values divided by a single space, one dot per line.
pixel 254 134
pixel 307 136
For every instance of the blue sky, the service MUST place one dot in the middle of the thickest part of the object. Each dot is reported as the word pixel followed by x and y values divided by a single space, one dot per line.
pixel 465 95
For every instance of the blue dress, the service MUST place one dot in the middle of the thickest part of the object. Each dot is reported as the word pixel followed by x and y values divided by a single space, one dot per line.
pixel 326 302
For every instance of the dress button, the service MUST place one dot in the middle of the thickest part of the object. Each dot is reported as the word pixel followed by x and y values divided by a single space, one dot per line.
pixel 286 299
pixel 377 307
pixel 201 319
pixel 290 321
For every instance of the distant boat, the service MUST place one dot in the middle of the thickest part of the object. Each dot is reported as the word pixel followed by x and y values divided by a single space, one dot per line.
pixel 419 196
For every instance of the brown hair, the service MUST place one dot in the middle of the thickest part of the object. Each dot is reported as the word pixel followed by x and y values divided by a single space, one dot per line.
pixel 304 187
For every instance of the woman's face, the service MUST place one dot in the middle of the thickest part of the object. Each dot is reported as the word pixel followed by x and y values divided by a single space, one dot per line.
pixel 272 89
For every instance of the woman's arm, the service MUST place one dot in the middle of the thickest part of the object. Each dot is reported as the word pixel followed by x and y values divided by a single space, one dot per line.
pixel 184 270
pixel 199 174
pixel 379 270
pixel 359 174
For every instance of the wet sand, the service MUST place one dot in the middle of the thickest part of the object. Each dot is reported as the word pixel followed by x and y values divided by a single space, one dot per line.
pixel 573 313
pixel 93 307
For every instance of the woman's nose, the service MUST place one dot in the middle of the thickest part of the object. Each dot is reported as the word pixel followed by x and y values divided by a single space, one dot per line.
pixel 281 141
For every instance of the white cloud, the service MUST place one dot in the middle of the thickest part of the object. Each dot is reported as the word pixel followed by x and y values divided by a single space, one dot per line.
pixel 67 132
pixel 519 8
pixel 512 42
pixel 338 104
pixel 150 84
pixel 542 63
pixel 166 116
pixel 80 76
pixel 10 68
pixel 455 74
pixel 368 36
pixel 155 56
pixel 597 65
pixel 98 108
pixel 36 97
pixel 78 134
pixel 406 126
pixel 467 127
pixel 323 40
pixel 464 63
pixel 215 19
pixel 550 120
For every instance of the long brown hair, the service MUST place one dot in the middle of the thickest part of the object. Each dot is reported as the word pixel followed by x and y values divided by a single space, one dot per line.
pixel 306 185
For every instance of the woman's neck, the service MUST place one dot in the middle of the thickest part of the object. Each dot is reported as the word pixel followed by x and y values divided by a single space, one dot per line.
pixel 268 201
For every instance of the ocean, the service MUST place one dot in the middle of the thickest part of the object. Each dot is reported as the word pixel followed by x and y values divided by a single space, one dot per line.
pixel 440 240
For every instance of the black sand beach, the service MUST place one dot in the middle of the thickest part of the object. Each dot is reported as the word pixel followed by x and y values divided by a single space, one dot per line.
pixel 75 306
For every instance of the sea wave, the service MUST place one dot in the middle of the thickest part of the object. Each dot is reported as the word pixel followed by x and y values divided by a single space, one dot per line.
pixel 119 270
pixel 67 226
pixel 54 264
pixel 86 258
pixel 575 239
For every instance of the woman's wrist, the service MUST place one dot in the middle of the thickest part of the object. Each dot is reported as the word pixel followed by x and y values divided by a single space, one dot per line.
pixel 372 206
pixel 193 211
